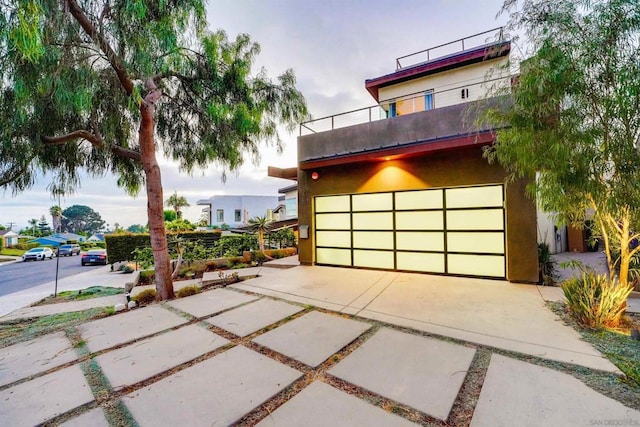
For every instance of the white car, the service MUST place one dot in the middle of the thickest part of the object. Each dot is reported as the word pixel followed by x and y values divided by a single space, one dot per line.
pixel 37 254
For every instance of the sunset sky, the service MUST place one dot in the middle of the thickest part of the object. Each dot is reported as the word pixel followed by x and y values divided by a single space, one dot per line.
pixel 333 46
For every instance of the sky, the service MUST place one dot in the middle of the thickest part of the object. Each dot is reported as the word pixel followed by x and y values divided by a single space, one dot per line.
pixel 332 45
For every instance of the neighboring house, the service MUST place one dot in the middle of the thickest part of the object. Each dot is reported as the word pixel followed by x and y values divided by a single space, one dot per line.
pixel 408 188
pixel 98 237
pixel 70 236
pixel 9 238
pixel 236 211
pixel 49 241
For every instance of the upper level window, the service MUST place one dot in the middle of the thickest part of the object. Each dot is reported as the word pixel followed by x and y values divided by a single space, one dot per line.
pixel 220 215
pixel 237 215
pixel 412 104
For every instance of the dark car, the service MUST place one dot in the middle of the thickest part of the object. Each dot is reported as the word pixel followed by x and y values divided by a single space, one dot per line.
pixel 94 256
pixel 69 250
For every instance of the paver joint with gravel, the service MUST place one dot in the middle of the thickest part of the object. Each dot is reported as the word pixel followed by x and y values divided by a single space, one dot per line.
pixel 279 364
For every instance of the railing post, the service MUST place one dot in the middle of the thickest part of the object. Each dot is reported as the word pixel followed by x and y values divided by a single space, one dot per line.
pixel 332 117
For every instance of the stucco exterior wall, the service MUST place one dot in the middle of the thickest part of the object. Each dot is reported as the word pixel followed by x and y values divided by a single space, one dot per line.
pixel 470 76
pixel 448 169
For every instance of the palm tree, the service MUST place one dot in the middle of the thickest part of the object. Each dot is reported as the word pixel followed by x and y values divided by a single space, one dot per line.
pixel 177 202
pixel 261 225
pixel 56 217
pixel 33 223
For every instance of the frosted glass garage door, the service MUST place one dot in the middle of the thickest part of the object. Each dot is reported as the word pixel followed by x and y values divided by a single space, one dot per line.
pixel 444 230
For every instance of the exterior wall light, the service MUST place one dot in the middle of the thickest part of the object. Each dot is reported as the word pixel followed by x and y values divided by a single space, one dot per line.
pixel 315 176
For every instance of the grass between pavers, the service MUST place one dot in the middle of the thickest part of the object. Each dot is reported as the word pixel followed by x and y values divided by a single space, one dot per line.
pixel 80 295
pixel 19 330
pixel 616 345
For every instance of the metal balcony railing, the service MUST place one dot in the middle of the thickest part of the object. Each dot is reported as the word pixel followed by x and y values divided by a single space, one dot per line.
pixel 412 103
pixel 480 39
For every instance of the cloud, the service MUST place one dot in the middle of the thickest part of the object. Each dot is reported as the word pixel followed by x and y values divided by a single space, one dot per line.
pixel 332 45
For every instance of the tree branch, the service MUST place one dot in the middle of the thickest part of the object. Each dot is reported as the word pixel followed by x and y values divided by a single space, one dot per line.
pixel 94 140
pixel 112 57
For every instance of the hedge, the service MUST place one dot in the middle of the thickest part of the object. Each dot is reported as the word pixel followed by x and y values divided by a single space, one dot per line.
pixel 121 246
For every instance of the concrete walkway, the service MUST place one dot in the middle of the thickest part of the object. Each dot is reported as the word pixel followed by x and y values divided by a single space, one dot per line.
pixel 225 356
pixel 314 346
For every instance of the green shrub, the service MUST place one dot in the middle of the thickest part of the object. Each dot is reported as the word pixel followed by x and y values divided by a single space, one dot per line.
pixel 147 277
pixel 127 269
pixel 187 291
pixel 238 266
pixel 145 297
pixel 596 301
pixel 25 246
pixel 546 267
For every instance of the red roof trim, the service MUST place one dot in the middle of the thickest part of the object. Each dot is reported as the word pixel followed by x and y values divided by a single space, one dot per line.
pixel 445 63
pixel 409 150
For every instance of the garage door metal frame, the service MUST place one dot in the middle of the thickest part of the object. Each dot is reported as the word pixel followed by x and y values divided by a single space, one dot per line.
pixel 444 209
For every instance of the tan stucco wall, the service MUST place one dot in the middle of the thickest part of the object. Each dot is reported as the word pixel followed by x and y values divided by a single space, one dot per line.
pixel 455 168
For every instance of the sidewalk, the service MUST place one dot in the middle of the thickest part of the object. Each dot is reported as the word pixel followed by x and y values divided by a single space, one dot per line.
pixel 225 356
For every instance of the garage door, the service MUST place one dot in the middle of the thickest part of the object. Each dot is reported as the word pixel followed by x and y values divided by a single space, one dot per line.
pixel 456 231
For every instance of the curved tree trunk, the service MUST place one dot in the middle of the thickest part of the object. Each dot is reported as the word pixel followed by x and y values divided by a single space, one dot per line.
pixel 155 199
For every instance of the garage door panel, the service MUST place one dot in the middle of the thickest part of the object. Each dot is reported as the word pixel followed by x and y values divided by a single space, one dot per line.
pixel 338 239
pixel 447 231
pixel 480 242
pixel 420 241
pixel 373 221
pixel 425 262
pixel 474 197
pixel 372 202
pixel 373 239
pixel 336 221
pixel 476 265
pixel 333 256
pixel 333 204
pixel 423 199
pixel 480 219
pixel 373 259
pixel 428 220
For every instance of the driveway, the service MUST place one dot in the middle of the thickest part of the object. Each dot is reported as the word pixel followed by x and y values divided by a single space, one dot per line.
pixel 489 312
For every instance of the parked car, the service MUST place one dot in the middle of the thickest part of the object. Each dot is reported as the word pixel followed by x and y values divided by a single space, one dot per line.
pixel 37 254
pixel 69 250
pixel 94 256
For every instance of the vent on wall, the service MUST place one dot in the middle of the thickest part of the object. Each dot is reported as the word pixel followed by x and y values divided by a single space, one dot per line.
pixel 465 93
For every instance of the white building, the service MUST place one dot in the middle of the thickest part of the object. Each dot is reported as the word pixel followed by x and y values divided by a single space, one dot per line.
pixel 236 211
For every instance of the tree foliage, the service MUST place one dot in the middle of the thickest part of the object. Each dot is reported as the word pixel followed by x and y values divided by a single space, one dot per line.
pixel 101 86
pixel 177 203
pixel 260 225
pixel 573 115
pixel 81 219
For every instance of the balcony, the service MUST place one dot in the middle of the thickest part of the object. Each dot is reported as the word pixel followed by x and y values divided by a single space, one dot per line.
pixel 461 93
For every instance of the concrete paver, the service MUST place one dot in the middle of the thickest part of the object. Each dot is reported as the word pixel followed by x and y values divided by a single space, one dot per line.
pixel 43 398
pixel 32 357
pixel 93 418
pixel 111 331
pixel 217 391
pixel 65 307
pixel 144 359
pixel 249 318
pixel 312 338
pixel 420 372
pixel 321 405
pixel 515 392
pixel 210 302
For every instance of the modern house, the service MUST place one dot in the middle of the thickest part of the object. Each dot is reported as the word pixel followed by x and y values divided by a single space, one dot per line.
pixel 236 211
pixel 98 237
pixel 406 188
pixel 9 238
pixel 70 237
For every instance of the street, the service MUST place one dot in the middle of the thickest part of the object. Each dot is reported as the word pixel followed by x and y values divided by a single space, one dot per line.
pixel 24 275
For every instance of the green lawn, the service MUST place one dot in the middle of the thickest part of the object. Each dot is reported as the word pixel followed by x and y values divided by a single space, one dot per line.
pixel 91 292
pixel 11 252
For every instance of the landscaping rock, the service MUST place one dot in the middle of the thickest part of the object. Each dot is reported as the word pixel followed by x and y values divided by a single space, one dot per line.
pixel 131 304
pixel 119 307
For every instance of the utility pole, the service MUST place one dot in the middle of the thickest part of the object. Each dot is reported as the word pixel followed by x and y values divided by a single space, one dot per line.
pixel 10 225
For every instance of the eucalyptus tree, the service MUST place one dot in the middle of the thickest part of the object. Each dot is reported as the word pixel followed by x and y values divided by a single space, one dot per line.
pixel 101 86
pixel 573 116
